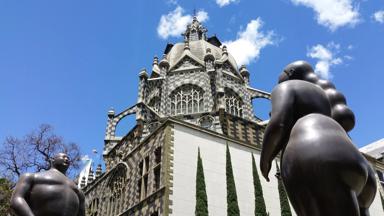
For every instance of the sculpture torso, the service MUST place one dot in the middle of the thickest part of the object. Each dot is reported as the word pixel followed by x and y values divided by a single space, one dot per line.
pixel 53 193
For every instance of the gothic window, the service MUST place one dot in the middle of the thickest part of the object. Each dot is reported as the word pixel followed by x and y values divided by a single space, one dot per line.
pixel 156 173
pixel 209 64
pixel 154 103
pixel 117 185
pixel 158 155
pixel 93 207
pixel 233 103
pixel 156 213
pixel 142 184
pixel 187 99
pixel 157 168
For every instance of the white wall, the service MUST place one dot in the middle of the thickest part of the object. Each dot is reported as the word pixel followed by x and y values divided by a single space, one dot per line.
pixel 376 208
pixel 213 151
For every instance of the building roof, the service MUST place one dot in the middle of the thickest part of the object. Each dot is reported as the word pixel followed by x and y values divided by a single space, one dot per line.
pixel 375 149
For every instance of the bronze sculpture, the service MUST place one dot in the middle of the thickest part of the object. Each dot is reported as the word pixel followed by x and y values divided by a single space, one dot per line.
pixel 323 172
pixel 48 193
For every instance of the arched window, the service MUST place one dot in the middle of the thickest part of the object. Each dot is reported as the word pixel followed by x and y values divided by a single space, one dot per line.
pixel 154 103
pixel 187 99
pixel 233 103
pixel 117 184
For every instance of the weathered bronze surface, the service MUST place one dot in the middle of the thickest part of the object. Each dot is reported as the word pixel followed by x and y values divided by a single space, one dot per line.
pixel 48 193
pixel 322 170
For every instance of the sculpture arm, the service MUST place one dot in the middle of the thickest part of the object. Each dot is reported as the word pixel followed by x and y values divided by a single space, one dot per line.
pixel 279 127
pixel 81 203
pixel 18 203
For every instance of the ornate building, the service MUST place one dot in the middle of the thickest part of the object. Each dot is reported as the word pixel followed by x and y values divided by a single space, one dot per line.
pixel 195 98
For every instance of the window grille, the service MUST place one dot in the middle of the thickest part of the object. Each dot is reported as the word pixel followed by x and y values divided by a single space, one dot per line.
pixel 187 99
pixel 233 103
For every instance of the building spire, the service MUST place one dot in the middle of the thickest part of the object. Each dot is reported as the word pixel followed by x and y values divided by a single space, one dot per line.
pixel 195 30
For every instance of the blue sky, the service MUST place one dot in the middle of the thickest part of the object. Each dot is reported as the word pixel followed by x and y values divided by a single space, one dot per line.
pixel 67 62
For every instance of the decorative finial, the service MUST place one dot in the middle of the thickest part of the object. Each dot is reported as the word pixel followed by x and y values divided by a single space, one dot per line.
pixel 155 60
pixel 186 45
pixel 98 170
pixel 224 49
pixel 143 73
pixel 111 112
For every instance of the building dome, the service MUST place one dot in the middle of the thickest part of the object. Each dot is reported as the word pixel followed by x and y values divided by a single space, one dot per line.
pixel 198 48
pixel 197 44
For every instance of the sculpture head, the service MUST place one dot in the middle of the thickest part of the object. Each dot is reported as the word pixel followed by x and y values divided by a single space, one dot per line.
pixel 60 162
pixel 300 70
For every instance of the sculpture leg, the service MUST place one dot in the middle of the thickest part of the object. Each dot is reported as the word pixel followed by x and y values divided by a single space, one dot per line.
pixel 329 200
pixel 367 195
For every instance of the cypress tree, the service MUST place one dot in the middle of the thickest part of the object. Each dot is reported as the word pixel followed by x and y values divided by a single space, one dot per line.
pixel 232 205
pixel 201 208
pixel 284 202
pixel 260 209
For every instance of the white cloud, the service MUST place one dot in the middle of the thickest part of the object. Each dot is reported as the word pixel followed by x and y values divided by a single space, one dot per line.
pixel 379 16
pixel 223 3
pixel 174 23
pixel 246 48
pixel 332 14
pixel 172 2
pixel 326 56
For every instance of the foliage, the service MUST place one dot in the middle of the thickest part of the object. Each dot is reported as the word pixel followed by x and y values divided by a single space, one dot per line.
pixel 284 202
pixel 5 196
pixel 260 209
pixel 34 151
pixel 232 205
pixel 201 208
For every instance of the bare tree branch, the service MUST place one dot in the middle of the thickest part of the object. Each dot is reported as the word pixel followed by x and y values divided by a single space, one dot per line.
pixel 33 152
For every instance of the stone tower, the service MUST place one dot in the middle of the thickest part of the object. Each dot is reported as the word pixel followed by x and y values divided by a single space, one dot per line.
pixel 196 81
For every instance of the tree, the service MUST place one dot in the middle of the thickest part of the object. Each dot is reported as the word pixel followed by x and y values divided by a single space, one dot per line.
pixel 201 208
pixel 284 202
pixel 5 196
pixel 232 205
pixel 33 152
pixel 260 209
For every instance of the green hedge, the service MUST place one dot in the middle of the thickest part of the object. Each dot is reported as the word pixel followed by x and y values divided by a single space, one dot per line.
pixel 232 205
pixel 201 208
pixel 5 196
pixel 260 209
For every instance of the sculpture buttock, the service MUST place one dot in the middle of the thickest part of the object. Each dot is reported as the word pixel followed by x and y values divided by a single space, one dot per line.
pixel 323 172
